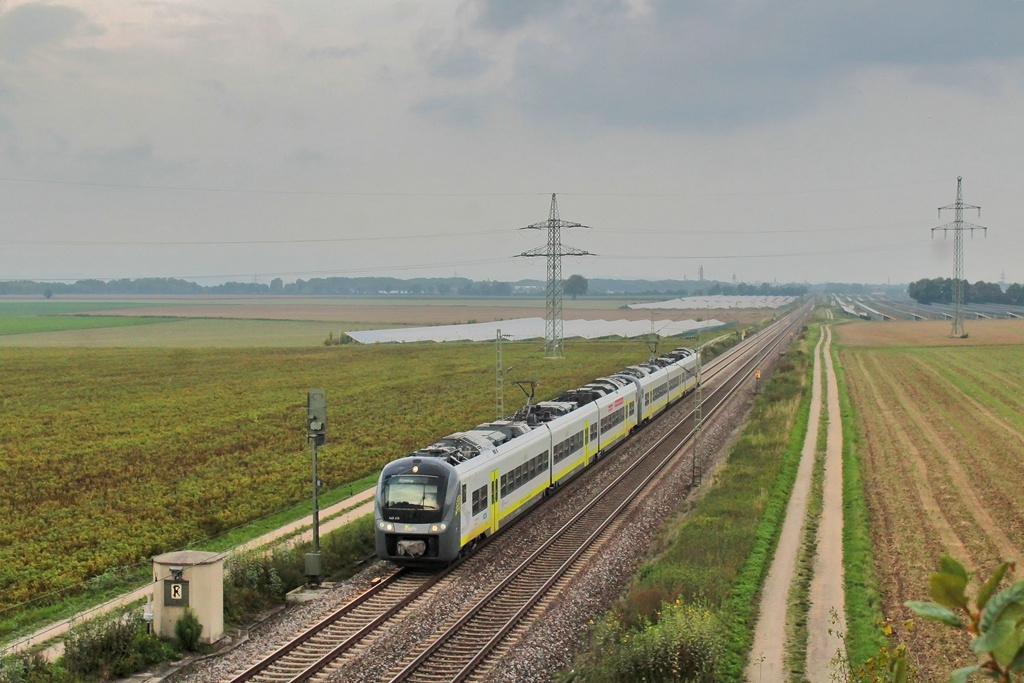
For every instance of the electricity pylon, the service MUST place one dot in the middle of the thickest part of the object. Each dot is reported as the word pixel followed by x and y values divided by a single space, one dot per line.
pixel 958 226
pixel 554 250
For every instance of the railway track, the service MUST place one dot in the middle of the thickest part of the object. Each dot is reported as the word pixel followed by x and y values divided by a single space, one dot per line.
pixel 463 649
pixel 317 647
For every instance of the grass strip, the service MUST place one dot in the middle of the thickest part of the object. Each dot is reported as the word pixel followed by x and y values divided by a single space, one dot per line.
pixel 863 602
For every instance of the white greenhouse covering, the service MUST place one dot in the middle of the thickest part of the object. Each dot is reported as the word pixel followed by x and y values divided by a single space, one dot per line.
pixel 532 328
pixel 719 302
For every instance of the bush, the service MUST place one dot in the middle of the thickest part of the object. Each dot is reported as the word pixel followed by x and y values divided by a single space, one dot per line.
pixel 31 668
pixel 188 630
pixel 254 582
pixel 685 644
pixel 112 648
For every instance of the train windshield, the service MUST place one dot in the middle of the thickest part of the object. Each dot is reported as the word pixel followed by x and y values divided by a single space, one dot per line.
pixel 412 492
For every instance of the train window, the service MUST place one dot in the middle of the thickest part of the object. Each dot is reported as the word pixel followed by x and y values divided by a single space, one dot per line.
pixel 463 494
pixel 412 492
pixel 479 500
pixel 504 485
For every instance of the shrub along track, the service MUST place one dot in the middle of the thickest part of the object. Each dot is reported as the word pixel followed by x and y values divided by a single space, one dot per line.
pixel 942 438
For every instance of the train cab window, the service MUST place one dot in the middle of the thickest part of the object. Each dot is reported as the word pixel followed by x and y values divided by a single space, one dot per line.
pixel 411 491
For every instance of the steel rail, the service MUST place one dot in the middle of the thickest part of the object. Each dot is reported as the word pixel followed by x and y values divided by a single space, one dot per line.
pixel 743 371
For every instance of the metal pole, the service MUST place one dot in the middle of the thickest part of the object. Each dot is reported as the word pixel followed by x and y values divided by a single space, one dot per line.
pixel 316 502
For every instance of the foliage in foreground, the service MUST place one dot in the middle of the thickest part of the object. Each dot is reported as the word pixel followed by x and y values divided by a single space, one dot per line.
pixel 995 621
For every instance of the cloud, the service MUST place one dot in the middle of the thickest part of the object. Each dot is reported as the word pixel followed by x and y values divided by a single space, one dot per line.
pixel 136 162
pixel 335 53
pixel 460 62
pixel 461 111
pixel 27 27
pixel 306 157
pixel 714 63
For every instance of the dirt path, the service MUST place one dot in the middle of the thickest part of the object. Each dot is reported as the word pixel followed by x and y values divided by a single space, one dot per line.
pixel 826 618
pixel 767 655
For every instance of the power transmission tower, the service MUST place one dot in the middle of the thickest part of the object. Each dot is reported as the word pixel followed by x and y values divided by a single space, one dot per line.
pixel 554 250
pixel 958 226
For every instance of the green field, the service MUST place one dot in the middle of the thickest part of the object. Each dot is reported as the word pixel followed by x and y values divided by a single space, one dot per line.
pixel 32 317
pixel 181 333
pixel 113 455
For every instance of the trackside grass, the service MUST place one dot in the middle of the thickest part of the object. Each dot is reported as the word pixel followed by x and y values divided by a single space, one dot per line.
pixel 707 580
pixel 863 606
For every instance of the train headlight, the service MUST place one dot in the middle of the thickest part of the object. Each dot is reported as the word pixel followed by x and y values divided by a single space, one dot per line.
pixel 389 527
pixel 444 525
pixel 433 527
pixel 380 524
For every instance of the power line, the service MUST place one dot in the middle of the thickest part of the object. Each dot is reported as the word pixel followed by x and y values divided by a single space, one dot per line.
pixel 315 240
pixel 242 190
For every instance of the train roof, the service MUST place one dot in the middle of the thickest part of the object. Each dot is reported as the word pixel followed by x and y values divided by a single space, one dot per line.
pixel 462 446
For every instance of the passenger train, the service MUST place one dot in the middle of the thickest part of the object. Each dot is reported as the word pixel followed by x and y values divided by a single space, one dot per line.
pixel 438 503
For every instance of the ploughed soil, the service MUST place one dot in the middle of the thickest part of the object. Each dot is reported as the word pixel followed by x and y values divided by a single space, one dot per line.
pixel 930 333
pixel 389 313
pixel 942 438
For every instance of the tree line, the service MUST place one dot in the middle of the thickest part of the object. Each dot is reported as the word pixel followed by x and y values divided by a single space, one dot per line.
pixel 575 285
pixel 940 291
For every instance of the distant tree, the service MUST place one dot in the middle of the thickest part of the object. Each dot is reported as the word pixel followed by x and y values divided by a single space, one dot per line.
pixel 48 293
pixel 576 285
pixel 276 285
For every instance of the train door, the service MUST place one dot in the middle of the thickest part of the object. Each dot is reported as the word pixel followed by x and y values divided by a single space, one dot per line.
pixel 495 501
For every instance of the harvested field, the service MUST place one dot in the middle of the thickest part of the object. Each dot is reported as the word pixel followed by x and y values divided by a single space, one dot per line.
pixel 930 333
pixel 942 435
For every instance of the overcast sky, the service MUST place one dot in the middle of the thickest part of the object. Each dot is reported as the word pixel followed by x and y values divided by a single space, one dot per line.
pixel 781 141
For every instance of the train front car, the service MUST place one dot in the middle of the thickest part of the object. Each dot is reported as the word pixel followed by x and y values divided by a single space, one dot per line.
pixel 417 512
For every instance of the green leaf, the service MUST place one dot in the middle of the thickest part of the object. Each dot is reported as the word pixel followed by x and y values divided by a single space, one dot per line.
pixel 999 602
pixel 950 566
pixel 899 671
pixel 948 589
pixel 961 675
pixel 930 610
pixel 994 636
pixel 1017 665
pixel 990 586
pixel 1007 649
